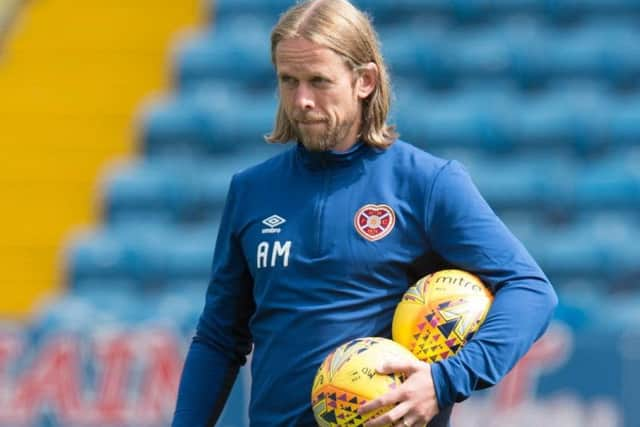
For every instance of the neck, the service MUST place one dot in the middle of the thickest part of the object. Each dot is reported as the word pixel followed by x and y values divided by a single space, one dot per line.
pixel 345 146
pixel 350 140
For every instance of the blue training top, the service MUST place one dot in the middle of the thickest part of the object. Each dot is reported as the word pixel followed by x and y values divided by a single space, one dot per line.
pixel 317 248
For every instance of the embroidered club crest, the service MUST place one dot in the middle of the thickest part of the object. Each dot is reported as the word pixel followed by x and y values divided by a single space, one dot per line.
pixel 373 222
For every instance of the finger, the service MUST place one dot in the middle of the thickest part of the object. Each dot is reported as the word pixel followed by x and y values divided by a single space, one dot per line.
pixel 390 398
pixel 390 366
pixel 406 422
pixel 390 417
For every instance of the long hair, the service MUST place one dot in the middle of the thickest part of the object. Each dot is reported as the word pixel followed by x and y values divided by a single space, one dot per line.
pixel 339 26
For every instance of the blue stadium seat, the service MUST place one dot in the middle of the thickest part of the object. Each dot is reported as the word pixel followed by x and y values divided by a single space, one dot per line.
pixel 522 50
pixel 382 11
pixel 461 10
pixel 559 185
pixel 226 53
pixel 190 259
pixel 596 251
pixel 426 59
pixel 584 307
pixel 165 191
pixel 224 9
pixel 570 9
pixel 101 255
pixel 543 121
pixel 150 257
pixel 610 184
pixel 527 184
pixel 479 54
pixel 576 53
pixel 207 121
pixel 177 125
pixel 71 314
pixel 148 192
pixel 565 254
pixel 91 310
pixel 527 50
pixel 600 48
pixel 625 121
pixel 582 119
pixel 574 117
pixel 95 255
pixel 474 117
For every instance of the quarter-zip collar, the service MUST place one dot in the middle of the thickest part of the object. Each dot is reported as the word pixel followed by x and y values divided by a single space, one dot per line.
pixel 316 160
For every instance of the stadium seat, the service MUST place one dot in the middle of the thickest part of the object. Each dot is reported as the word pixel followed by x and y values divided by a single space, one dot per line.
pixel 426 60
pixel 206 121
pixel 589 251
pixel 149 257
pixel 226 53
pixel 576 53
pixel 95 255
pixel 624 131
pixel 190 259
pixel 571 9
pixel 168 191
pixel 132 253
pixel 478 117
pixel 583 305
pixel 177 125
pixel 522 50
pixel 479 54
pixel 461 10
pixel 527 184
pixel 382 11
pixel 599 48
pixel 225 9
pixel 88 311
pixel 147 192
pixel 611 184
pixel 583 119
pixel 559 186
pixel 568 254
pixel 574 118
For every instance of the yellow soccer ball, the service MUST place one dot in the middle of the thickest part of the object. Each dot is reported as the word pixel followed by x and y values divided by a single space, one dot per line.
pixel 440 314
pixel 347 379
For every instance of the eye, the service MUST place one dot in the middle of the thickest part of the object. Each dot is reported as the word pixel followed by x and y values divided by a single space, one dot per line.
pixel 319 81
pixel 287 80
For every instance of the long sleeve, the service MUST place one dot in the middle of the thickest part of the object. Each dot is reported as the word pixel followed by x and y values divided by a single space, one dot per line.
pixel 222 339
pixel 466 233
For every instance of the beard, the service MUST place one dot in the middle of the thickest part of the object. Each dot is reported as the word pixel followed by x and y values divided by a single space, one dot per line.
pixel 325 135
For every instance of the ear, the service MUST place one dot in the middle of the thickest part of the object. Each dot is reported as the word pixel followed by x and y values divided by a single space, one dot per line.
pixel 367 80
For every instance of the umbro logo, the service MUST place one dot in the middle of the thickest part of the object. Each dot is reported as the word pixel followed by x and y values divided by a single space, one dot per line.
pixel 273 222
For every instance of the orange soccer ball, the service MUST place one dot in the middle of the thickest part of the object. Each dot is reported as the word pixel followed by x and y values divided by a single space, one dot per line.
pixel 347 379
pixel 440 314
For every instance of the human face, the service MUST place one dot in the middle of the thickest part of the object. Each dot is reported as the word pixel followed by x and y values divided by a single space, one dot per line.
pixel 320 95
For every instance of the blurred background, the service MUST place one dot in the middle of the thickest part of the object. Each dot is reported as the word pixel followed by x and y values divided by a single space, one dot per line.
pixel 121 123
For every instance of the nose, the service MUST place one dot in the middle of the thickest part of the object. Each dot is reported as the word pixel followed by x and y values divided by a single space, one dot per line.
pixel 304 99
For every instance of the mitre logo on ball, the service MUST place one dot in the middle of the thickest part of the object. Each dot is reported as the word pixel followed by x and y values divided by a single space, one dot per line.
pixel 440 314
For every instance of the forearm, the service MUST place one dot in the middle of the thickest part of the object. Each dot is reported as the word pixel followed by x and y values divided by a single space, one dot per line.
pixel 205 385
pixel 519 315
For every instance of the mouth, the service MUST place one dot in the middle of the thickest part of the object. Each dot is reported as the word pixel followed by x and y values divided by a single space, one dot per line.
pixel 310 122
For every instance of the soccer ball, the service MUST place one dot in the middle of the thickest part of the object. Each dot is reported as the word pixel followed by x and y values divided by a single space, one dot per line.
pixel 347 379
pixel 440 314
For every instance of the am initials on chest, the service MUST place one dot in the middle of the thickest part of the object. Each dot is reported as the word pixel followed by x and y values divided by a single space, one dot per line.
pixel 271 254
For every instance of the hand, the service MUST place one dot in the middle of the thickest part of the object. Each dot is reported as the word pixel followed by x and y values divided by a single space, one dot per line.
pixel 415 399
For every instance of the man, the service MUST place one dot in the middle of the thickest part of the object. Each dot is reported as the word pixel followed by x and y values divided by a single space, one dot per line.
pixel 318 244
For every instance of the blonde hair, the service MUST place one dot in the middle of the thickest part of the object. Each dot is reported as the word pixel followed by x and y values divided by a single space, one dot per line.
pixel 338 25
